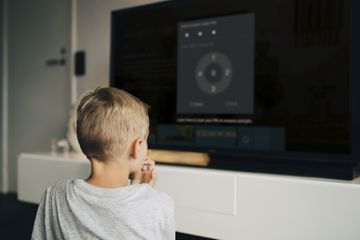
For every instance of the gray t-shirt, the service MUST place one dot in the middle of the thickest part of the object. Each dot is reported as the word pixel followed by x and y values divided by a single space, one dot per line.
pixel 74 209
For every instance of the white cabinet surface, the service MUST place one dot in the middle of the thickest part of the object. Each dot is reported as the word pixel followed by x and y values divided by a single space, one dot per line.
pixel 225 204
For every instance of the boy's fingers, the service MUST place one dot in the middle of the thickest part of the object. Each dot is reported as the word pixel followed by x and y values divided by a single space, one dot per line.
pixel 149 164
pixel 153 178
pixel 151 167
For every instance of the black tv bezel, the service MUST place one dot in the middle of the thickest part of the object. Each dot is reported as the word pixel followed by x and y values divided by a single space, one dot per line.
pixel 336 166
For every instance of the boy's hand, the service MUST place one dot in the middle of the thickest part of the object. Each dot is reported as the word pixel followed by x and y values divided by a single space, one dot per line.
pixel 147 174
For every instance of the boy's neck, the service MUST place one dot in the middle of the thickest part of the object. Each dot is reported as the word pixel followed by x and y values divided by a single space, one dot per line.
pixel 108 174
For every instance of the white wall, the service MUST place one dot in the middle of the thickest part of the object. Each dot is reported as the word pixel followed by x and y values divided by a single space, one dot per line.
pixel 93 36
pixel 39 95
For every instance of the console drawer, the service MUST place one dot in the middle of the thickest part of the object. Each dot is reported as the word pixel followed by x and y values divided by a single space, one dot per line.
pixel 198 190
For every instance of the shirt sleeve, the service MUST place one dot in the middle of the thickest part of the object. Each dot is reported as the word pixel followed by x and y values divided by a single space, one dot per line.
pixel 38 231
pixel 170 228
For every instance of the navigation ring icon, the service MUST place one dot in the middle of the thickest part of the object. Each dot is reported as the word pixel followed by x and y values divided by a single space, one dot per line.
pixel 214 73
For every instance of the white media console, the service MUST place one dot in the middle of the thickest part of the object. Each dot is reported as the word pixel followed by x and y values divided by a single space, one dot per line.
pixel 224 204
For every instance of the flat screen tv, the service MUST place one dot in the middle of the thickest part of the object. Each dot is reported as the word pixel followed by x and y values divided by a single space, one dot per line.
pixel 258 85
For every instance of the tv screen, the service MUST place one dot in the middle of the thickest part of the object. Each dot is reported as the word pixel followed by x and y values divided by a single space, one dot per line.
pixel 258 85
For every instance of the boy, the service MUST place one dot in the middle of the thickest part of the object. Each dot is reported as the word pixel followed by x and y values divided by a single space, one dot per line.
pixel 112 129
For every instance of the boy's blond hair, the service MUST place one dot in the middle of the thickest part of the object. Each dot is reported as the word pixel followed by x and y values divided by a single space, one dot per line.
pixel 107 120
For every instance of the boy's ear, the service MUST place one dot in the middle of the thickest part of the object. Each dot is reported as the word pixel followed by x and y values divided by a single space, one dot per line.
pixel 135 148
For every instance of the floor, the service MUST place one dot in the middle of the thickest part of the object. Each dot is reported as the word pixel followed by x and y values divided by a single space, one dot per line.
pixel 17 218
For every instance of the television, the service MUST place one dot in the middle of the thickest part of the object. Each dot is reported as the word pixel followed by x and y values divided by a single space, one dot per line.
pixel 257 85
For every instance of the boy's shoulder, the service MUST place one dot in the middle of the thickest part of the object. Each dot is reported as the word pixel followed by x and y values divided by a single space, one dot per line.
pixel 149 192
pixel 142 192
pixel 160 196
pixel 59 187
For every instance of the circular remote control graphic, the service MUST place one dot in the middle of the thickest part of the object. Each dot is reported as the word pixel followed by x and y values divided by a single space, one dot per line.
pixel 214 73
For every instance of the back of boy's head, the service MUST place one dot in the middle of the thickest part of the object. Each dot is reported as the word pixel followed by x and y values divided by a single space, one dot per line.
pixel 108 119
